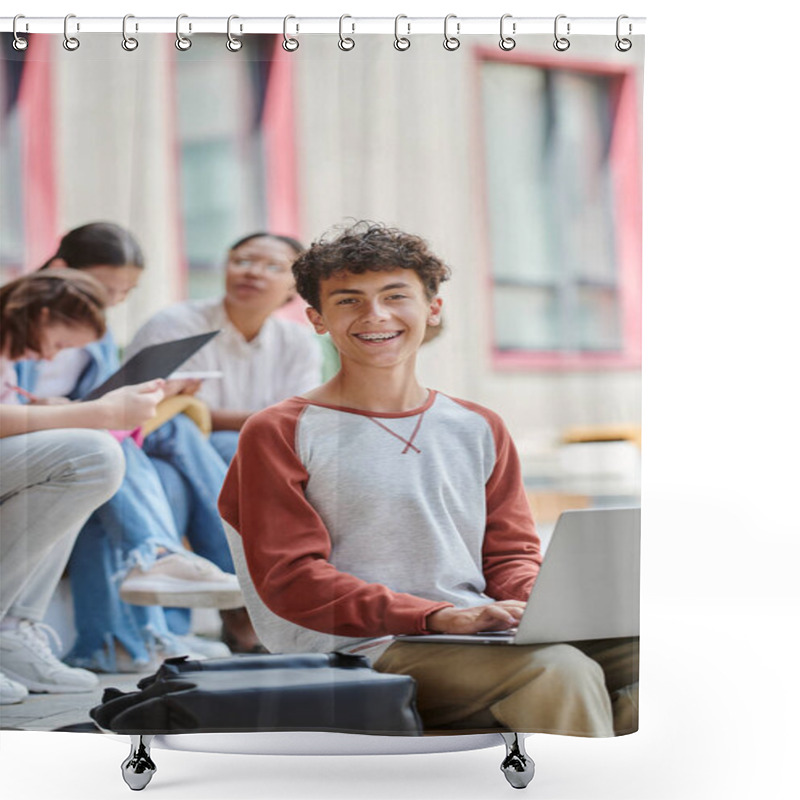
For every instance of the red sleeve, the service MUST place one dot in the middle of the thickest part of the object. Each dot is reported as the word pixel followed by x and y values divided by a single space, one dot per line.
pixel 512 550
pixel 287 546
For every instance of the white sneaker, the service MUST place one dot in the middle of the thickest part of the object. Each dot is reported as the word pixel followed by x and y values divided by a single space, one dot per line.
pixel 182 580
pixel 206 647
pixel 171 646
pixel 25 656
pixel 124 663
pixel 11 691
pixel 164 646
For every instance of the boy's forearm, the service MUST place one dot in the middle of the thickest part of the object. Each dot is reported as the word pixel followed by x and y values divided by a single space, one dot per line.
pixel 512 580
pixel 19 419
pixel 313 594
pixel 512 551
pixel 512 556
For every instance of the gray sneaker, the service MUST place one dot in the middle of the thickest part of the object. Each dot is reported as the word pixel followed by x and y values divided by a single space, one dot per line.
pixel 26 657
pixel 182 580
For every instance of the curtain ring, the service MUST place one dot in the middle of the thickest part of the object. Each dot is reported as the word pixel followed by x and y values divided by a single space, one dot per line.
pixel 70 43
pixel 181 42
pixel 623 45
pixel 20 42
pixel 507 42
pixel 290 44
pixel 129 43
pixel 345 42
pixel 451 43
pixel 561 43
pixel 233 44
pixel 401 42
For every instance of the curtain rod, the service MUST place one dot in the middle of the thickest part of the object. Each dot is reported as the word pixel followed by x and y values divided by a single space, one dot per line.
pixel 298 25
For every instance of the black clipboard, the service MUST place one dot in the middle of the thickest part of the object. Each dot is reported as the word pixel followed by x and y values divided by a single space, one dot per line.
pixel 156 361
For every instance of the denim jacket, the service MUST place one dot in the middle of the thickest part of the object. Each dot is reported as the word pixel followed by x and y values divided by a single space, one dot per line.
pixel 104 362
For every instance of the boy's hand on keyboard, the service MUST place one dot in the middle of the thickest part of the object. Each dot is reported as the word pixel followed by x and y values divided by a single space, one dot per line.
pixel 498 616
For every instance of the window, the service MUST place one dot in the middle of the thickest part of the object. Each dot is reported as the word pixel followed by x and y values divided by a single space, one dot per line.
pixel 222 131
pixel 220 103
pixel 563 204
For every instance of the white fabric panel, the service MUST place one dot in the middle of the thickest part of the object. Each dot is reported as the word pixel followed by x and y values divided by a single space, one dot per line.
pixel 114 123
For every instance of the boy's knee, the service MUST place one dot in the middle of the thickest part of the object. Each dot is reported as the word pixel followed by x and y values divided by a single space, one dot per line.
pixel 568 666
pixel 562 691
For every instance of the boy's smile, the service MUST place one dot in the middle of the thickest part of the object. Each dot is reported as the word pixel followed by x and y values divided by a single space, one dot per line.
pixel 376 318
pixel 378 337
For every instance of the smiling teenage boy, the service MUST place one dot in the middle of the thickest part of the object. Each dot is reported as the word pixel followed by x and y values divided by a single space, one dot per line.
pixel 372 506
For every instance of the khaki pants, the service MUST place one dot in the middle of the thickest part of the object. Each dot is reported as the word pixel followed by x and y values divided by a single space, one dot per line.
pixel 580 688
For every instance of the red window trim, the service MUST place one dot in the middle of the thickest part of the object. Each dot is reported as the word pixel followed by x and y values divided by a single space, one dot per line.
pixel 40 198
pixel 280 151
pixel 280 173
pixel 278 129
pixel 626 161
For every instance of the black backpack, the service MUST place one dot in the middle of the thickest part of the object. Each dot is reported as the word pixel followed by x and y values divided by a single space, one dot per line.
pixel 272 692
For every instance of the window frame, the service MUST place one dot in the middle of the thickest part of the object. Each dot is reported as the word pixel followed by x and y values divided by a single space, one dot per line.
pixel 278 175
pixel 625 157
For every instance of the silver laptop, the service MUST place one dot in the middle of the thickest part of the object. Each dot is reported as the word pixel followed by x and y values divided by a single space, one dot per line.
pixel 587 588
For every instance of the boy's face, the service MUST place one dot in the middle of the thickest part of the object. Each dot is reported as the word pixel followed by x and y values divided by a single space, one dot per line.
pixel 376 318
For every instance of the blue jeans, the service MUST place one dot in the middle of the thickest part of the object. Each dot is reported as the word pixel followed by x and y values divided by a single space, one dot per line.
pixel 192 473
pixel 124 532
pixel 180 444
pixel 225 443
pixel 128 530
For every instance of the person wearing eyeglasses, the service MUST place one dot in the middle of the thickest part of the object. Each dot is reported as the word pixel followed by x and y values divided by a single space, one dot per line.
pixel 263 358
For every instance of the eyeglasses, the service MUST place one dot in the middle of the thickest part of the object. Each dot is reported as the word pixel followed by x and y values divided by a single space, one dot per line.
pixel 246 263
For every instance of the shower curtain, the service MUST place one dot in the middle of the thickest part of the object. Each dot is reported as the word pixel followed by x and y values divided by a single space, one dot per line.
pixel 519 166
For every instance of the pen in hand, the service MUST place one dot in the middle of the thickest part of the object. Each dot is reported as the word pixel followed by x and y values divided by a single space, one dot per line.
pixel 21 392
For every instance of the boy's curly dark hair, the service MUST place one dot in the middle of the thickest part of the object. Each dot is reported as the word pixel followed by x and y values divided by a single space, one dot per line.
pixel 366 246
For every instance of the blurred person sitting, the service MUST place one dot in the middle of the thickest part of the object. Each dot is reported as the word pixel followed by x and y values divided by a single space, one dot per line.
pixel 56 466
pixel 263 359
pixel 130 548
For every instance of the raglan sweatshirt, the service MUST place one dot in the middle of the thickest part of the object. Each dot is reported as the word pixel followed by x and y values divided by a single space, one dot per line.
pixel 357 525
